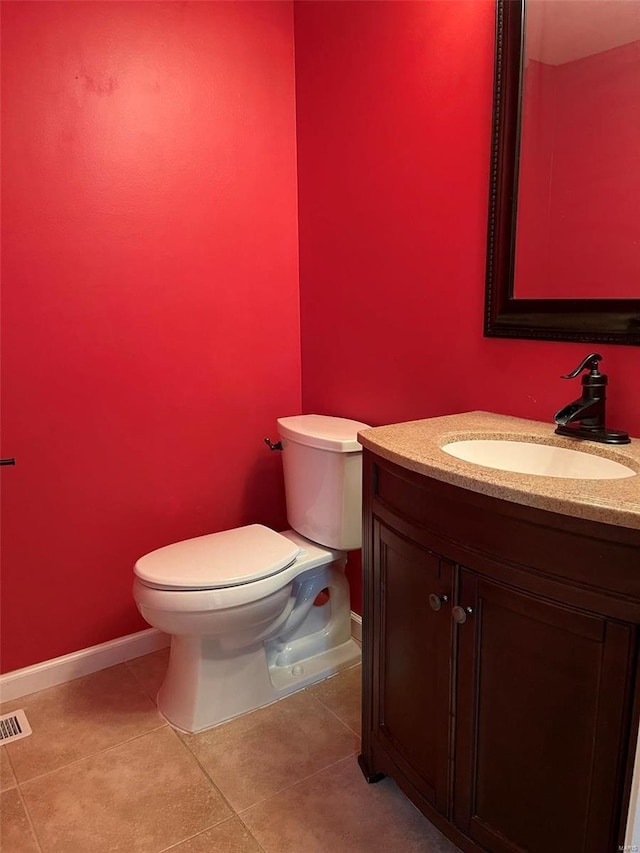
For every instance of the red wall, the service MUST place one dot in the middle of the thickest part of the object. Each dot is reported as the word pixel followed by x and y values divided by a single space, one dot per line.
pixel 150 296
pixel 150 303
pixel 394 123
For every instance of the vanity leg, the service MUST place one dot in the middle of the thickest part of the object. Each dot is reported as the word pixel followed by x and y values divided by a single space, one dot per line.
pixel 370 777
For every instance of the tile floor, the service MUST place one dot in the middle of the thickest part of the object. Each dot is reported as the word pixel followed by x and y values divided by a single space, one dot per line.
pixel 104 772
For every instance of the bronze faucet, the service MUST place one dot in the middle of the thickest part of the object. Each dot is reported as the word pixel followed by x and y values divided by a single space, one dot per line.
pixel 590 409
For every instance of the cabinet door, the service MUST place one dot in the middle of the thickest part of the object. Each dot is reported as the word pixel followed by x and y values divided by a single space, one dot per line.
pixel 541 725
pixel 411 662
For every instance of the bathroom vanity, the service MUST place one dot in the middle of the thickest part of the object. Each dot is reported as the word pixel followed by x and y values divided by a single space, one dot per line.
pixel 500 637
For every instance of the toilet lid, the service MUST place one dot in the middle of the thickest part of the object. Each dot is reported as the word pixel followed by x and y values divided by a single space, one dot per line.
pixel 216 560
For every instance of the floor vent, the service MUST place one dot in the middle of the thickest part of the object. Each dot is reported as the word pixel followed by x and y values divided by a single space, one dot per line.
pixel 14 726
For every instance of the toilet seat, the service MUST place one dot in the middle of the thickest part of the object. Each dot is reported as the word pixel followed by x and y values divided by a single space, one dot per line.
pixel 177 600
pixel 230 558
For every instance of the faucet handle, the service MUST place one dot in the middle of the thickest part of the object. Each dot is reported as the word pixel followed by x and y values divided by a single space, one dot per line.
pixel 590 362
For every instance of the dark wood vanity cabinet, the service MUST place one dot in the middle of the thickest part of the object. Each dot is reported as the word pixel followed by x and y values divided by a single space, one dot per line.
pixel 411 713
pixel 541 696
pixel 499 664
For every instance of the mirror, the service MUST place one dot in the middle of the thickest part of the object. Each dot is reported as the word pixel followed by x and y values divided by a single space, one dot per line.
pixel 563 253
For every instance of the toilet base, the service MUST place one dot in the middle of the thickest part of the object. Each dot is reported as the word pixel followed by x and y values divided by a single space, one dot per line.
pixel 212 679
pixel 248 683
pixel 288 679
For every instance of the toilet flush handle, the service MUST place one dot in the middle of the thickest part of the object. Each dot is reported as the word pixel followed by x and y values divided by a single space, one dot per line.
pixel 272 446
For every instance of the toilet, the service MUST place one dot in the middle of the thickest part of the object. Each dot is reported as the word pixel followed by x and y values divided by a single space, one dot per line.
pixel 254 614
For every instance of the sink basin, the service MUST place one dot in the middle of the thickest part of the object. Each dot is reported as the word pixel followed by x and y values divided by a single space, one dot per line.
pixel 525 457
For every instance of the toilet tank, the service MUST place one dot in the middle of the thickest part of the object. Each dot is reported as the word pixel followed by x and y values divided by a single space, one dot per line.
pixel 322 462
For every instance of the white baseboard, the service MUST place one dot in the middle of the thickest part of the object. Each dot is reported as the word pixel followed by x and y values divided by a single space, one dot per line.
pixel 356 627
pixel 21 682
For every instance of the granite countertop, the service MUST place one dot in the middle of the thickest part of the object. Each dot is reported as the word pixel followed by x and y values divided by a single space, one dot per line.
pixel 416 445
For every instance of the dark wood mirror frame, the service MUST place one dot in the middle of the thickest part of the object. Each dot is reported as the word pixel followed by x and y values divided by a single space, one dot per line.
pixel 614 321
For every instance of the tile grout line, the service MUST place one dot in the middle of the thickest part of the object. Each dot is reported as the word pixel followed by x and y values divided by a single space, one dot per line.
pixel 29 820
pixel 264 799
pixel 92 755
pixel 138 681
pixel 304 690
pixel 317 772
pixel 215 826
pixel 333 713
pixel 280 790
pixel 22 801
pixel 234 812
pixel 13 769
pixel 207 775
pixel 209 778
pixel 164 724
pixel 295 784
pixel 250 833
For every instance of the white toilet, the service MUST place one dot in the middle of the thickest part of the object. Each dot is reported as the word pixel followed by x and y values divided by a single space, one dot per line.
pixel 240 605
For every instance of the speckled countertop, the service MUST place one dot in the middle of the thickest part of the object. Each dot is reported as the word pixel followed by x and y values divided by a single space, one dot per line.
pixel 416 445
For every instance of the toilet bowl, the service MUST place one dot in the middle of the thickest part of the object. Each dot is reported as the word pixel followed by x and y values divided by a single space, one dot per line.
pixel 243 607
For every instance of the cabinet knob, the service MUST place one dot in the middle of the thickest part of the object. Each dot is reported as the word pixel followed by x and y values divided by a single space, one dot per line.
pixel 460 614
pixel 436 601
